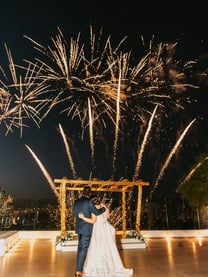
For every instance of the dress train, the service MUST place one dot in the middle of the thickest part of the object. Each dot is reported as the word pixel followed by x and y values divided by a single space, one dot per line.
pixel 103 258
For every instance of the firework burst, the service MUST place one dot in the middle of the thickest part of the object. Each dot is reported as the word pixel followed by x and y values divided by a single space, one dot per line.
pixel 21 98
pixel 79 79
pixel 92 72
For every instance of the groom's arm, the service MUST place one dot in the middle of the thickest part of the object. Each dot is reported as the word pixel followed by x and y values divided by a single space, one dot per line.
pixel 91 219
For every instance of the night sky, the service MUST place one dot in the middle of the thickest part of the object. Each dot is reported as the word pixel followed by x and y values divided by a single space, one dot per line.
pixel 20 176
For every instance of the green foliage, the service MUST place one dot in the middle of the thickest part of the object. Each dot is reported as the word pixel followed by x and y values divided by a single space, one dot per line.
pixel 194 188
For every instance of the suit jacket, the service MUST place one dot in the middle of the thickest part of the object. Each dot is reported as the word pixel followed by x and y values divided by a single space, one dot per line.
pixel 86 206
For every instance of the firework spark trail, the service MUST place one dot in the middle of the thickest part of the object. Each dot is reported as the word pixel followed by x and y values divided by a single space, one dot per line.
pixel 68 152
pixel 141 152
pixel 44 171
pixel 119 65
pixel 25 96
pixel 172 152
pixel 8 114
pixel 67 58
pixel 100 54
pixel 117 123
pixel 191 173
pixel 91 135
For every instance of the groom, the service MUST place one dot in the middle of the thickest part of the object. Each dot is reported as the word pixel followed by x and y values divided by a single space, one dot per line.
pixel 84 230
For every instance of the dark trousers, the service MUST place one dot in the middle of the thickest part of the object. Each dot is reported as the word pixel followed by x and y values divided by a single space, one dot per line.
pixel 83 244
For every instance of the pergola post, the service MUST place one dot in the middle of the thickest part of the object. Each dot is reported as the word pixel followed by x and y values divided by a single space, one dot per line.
pixel 62 195
pixel 139 206
pixel 123 214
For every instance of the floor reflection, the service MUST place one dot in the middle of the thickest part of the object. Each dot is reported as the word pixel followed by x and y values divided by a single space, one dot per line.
pixel 175 257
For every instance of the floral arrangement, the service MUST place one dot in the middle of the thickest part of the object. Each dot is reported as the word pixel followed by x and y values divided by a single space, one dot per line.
pixel 64 237
pixel 135 235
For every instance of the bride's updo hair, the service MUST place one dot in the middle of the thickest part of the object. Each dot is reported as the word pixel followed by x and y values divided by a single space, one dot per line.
pixel 96 200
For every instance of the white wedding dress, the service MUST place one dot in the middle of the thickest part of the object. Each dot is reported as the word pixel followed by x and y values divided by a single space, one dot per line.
pixel 103 258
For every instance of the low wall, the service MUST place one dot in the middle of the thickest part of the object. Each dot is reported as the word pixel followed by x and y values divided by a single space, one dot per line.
pixel 144 233
pixel 39 234
pixel 174 233
pixel 7 240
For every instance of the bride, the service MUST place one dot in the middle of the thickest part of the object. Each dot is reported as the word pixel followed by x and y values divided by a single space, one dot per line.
pixel 103 258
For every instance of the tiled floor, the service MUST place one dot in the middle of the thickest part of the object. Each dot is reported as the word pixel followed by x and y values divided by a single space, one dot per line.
pixel 177 257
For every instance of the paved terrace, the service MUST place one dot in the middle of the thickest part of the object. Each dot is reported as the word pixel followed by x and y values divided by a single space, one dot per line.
pixel 168 253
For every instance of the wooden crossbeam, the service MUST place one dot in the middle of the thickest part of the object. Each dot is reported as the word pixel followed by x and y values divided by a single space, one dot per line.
pixel 99 185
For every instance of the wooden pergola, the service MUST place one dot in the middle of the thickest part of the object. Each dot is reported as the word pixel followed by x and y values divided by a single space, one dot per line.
pixel 122 186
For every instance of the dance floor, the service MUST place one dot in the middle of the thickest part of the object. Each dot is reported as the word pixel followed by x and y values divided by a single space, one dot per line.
pixel 175 257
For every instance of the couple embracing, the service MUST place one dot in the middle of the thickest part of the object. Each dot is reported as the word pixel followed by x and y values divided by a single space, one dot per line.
pixel 97 254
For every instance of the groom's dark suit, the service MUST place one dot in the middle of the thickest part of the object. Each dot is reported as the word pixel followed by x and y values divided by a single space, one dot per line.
pixel 84 229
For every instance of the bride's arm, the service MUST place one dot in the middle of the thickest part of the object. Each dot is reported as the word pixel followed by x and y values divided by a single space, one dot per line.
pixel 91 219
